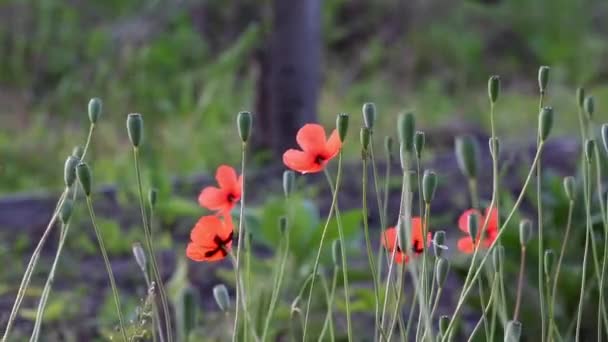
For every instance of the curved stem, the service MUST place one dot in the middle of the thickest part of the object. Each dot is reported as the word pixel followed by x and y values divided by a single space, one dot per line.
pixel 520 282
pixel 485 310
pixel 585 253
pixel 150 246
pixel 240 292
pixel 328 315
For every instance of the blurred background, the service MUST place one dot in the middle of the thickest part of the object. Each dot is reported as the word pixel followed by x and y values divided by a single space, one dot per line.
pixel 189 66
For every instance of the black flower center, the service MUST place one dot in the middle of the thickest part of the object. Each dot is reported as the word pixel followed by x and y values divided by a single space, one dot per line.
pixel 319 159
pixel 220 246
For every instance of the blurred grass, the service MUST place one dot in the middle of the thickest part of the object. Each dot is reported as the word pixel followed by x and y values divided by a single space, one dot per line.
pixel 189 78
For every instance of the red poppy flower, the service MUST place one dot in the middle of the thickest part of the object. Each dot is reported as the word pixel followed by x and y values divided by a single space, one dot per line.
pixel 225 197
pixel 466 244
pixel 316 149
pixel 389 241
pixel 211 239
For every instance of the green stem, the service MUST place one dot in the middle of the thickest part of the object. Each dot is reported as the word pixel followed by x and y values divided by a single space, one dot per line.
pixel 585 253
pixel 520 282
pixel 343 254
pixel 150 247
pixel 106 261
pixel 328 316
pixel 315 266
pixel 541 292
pixel 467 288
pixel 601 307
pixel 484 311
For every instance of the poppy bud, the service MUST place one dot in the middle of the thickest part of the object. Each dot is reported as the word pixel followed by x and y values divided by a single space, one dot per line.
pixel 525 232
pixel 369 114
pixel 406 129
pixel 135 128
pixel 589 150
pixel 442 269
pixel 513 331
pixel 140 256
pixel 467 155
pixel 78 151
pixel 498 255
pixel 220 293
pixel 66 211
pixel 404 157
pixel 494 142
pixel 289 180
pixel 545 123
pixel 342 125
pixel 589 106
pixel 580 97
pixel 570 187
pixel 84 176
pixel 493 88
pixel 429 184
pixel 473 226
pixel 243 121
pixel 549 258
pixel 439 243
pixel 419 143
pixel 605 137
pixel 152 197
pixel 365 135
pixel 95 106
pixel 403 239
pixel 444 322
pixel 69 170
pixel 388 148
pixel 543 78
pixel 282 224
pixel 336 253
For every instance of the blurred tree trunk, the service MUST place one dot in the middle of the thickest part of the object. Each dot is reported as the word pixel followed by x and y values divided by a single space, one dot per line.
pixel 289 80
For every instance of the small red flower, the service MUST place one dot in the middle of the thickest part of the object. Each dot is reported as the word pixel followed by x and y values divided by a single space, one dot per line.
pixel 316 149
pixel 225 197
pixel 466 244
pixel 389 241
pixel 211 239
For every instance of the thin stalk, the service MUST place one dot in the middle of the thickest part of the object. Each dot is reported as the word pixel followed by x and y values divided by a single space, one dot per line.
pixel 541 248
pixel 397 310
pixel 349 328
pixel 150 246
pixel 585 253
pixel 328 316
pixel 483 314
pixel 598 171
pixel 368 246
pixel 239 283
pixel 520 283
pixel 156 317
pixel 425 225
pixel 382 204
pixel 558 268
pixel 315 266
pixel 248 281
pixel 467 289
pixel 240 292
pixel 108 266
pixel 411 314
pixel 485 311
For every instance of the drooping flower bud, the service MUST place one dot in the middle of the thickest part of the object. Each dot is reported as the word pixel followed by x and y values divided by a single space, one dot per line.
pixel 78 151
pixel 549 257
pixel 140 257
pixel 152 197
pixel 406 130
pixel 364 137
pixel 289 180
pixel 439 243
pixel 220 293
pixel 66 211
pixel 513 331
pixel 69 170
pixel 473 226
pixel 570 187
pixel 444 322
pixel 429 185
pixel 419 143
pixel 525 232
pixel 493 88
pixel 589 106
pixel 336 253
pixel 369 115
pixel 442 269
pixel 388 148
pixel 342 125
pixel 545 123
pixel 84 176
pixel 589 150
pixel 467 155
pixel 580 97
pixel 95 107
pixel 135 128
pixel 244 122
pixel 605 137
pixel 543 78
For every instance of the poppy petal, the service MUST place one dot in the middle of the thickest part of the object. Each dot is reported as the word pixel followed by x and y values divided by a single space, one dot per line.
pixel 463 220
pixel 493 220
pixel 213 198
pixel 226 178
pixel 465 245
pixel 299 161
pixel 389 238
pixel 311 138
pixel 333 145
pixel 198 253
pixel 206 229
pixel 401 258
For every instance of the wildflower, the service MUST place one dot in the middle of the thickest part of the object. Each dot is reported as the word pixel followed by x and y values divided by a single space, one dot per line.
pixel 389 241
pixel 316 149
pixel 466 244
pixel 211 239
pixel 225 197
